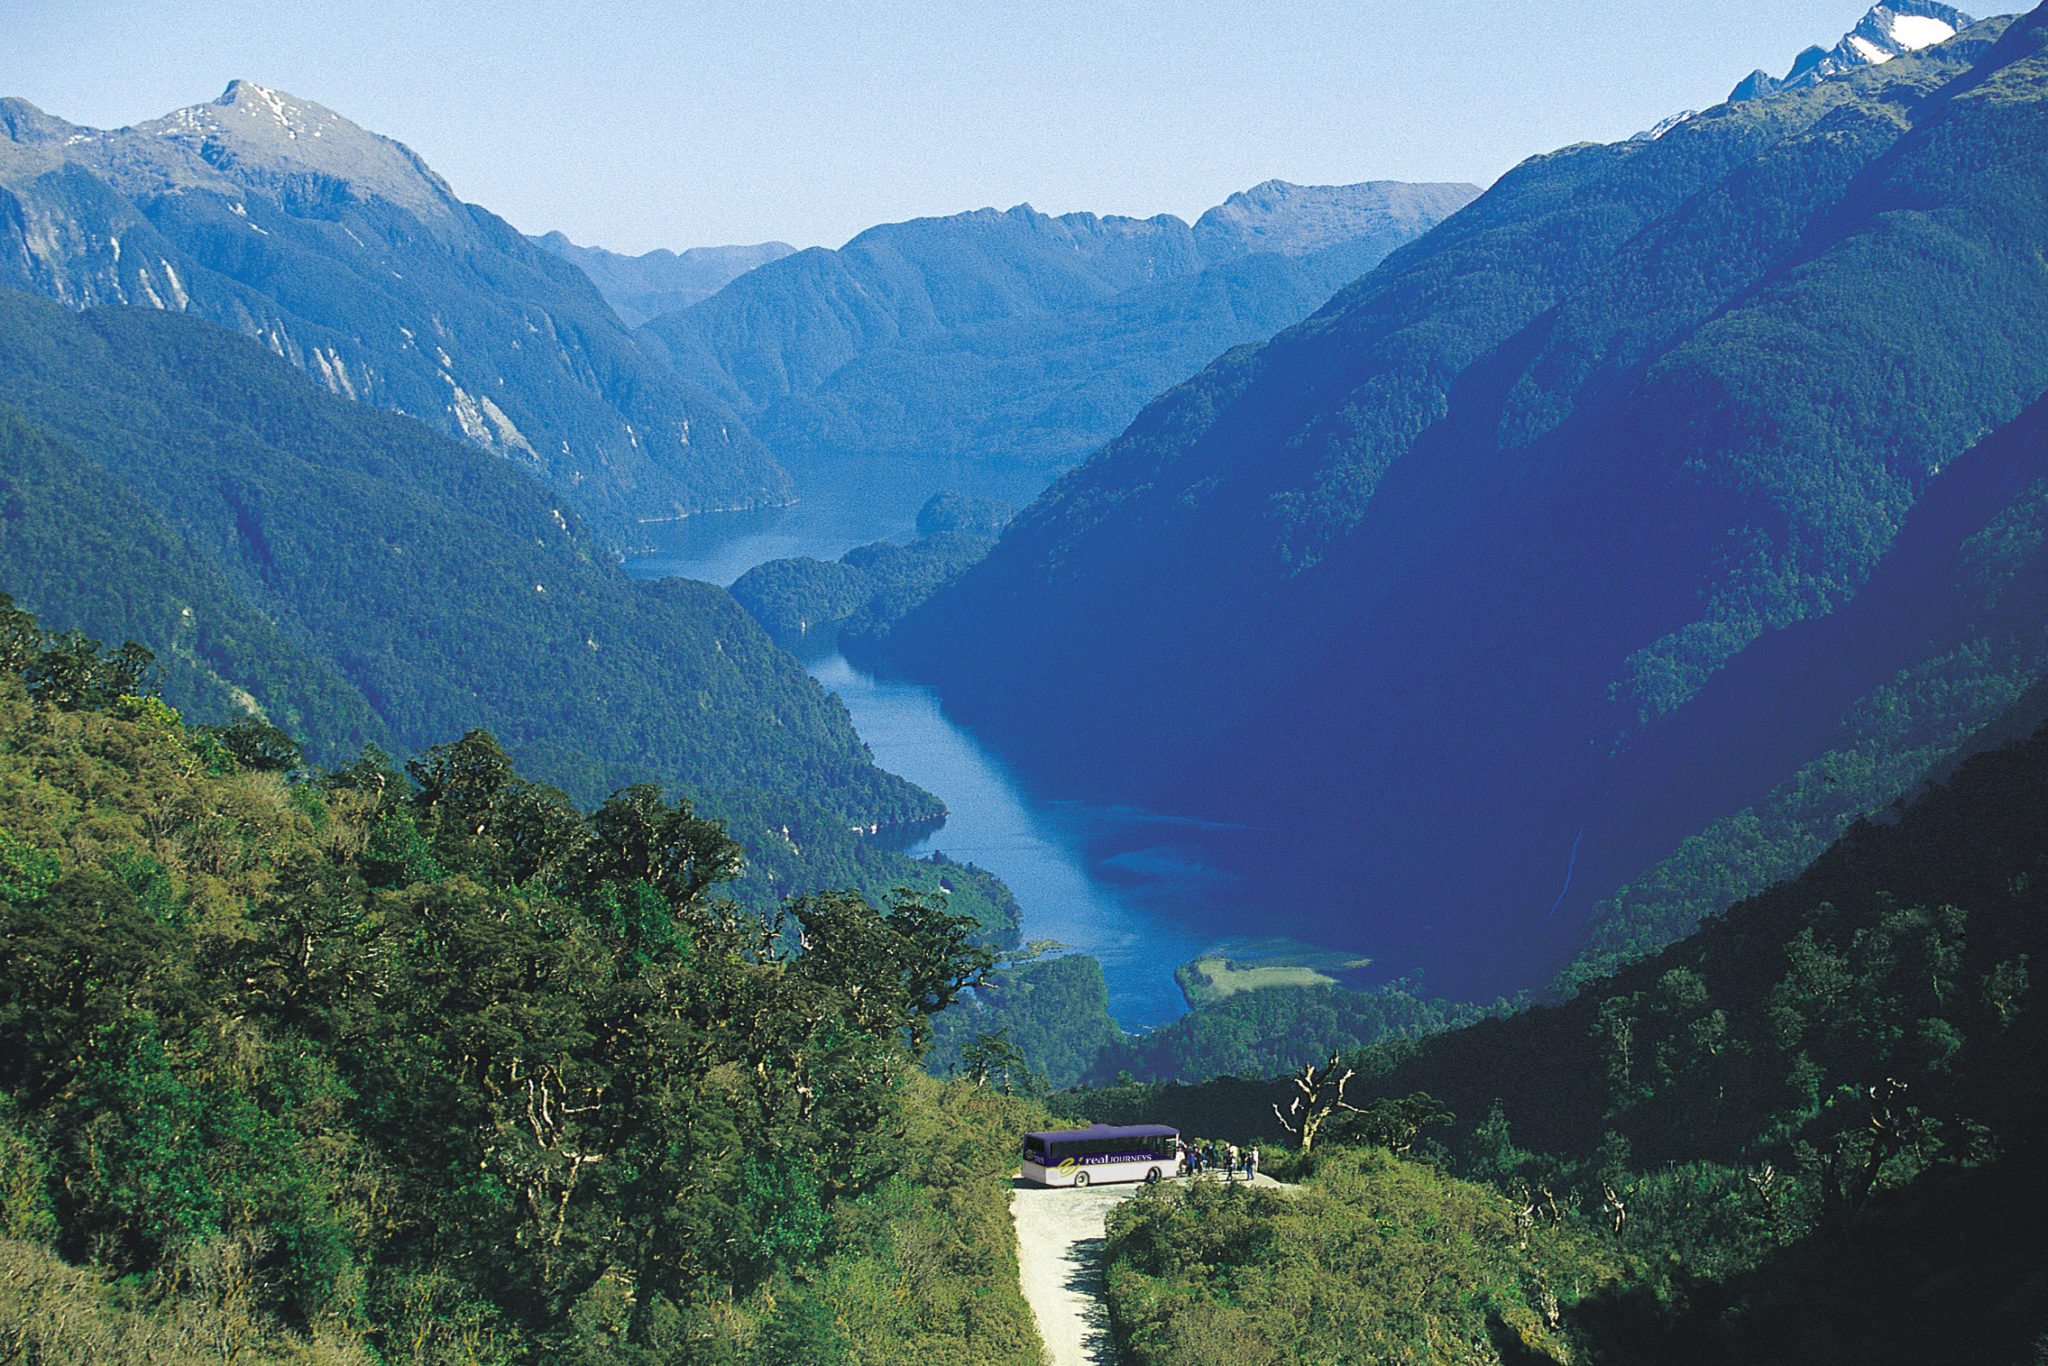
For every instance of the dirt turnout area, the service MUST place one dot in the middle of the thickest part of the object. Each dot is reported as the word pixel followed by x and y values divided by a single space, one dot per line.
pixel 1060 1236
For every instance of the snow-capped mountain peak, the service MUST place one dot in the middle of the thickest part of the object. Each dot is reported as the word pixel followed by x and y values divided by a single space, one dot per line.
pixel 1889 30
pixel 271 132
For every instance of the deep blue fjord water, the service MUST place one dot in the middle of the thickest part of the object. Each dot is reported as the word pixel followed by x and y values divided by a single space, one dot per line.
pixel 1133 889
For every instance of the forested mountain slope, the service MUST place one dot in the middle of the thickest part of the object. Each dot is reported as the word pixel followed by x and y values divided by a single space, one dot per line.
pixel 1430 579
pixel 341 251
pixel 1020 338
pixel 359 578
pixel 1816 724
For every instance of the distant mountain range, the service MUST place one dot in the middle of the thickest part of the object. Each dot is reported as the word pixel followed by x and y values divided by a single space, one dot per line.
pixel 1643 525
pixel 342 252
pixel 1020 340
pixel 643 287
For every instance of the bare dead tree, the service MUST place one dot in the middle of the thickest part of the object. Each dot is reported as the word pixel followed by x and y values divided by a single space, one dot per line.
pixel 1616 1207
pixel 1319 1093
pixel 1765 1183
pixel 1849 1175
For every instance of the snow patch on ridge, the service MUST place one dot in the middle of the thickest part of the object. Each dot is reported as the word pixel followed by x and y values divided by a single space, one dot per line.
pixel 1915 31
pixel 1664 126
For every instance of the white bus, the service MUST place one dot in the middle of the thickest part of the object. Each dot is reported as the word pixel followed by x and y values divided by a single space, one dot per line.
pixel 1101 1153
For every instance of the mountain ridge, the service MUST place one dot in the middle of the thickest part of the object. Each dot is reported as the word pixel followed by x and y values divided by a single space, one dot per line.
pixel 1413 571
pixel 1888 30
pixel 342 251
pixel 1012 341
pixel 641 288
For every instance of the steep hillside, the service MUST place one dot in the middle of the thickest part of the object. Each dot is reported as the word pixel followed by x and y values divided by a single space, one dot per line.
pixel 1018 337
pixel 429 1067
pixel 1792 1133
pixel 81 546
pixel 643 287
pixel 1816 724
pixel 1429 571
pixel 442 580
pixel 357 578
pixel 342 252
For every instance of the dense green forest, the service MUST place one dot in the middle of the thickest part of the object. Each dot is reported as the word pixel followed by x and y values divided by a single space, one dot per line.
pixel 355 578
pixel 1809 1132
pixel 427 1065
pixel 1263 1032
pixel 870 588
pixel 1044 1022
pixel 1500 548
pixel 344 253
pixel 1938 647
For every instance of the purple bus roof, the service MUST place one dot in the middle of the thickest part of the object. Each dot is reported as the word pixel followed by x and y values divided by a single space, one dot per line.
pixel 1106 1131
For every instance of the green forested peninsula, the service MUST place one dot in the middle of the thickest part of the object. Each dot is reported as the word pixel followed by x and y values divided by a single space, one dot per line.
pixel 869 588
pixel 1055 1014
pixel 425 1065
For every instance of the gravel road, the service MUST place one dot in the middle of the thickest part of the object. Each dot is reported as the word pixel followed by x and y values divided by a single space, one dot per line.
pixel 1060 1233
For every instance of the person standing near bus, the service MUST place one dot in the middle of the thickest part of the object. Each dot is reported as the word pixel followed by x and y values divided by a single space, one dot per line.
pixel 1251 1164
pixel 1230 1163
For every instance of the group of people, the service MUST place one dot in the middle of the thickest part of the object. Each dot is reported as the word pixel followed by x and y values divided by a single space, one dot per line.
pixel 1197 1158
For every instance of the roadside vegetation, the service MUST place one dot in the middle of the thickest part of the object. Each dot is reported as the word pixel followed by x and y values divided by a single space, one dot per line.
pixel 424 1064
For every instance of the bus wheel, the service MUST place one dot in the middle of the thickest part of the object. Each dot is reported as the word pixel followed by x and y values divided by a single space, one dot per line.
pixel 1080 1178
pixel 1152 1177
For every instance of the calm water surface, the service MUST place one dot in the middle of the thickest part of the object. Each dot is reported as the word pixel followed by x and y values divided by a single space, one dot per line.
pixel 1132 889
pixel 718 547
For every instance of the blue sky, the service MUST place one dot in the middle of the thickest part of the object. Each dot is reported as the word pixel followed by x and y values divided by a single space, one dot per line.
pixel 636 125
